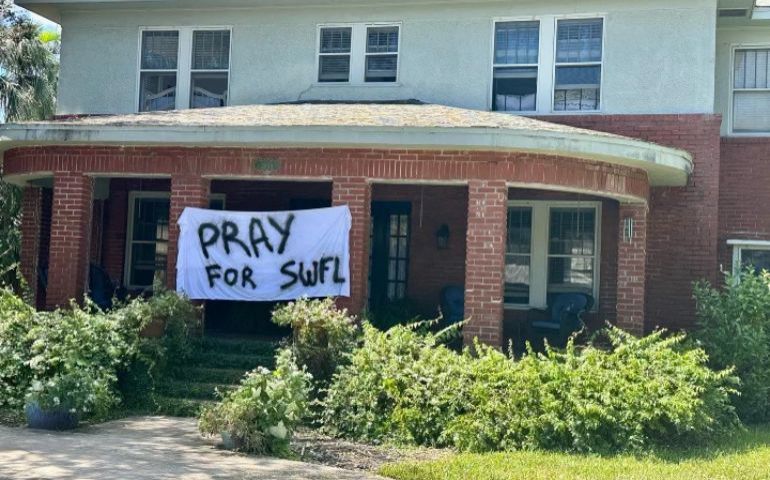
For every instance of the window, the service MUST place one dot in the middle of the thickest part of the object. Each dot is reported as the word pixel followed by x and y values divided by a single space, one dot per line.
pixel 158 75
pixel 147 245
pixel 577 79
pixel 184 68
pixel 751 90
pixel 551 248
pixel 755 253
pixel 358 53
pixel 514 83
pixel 334 54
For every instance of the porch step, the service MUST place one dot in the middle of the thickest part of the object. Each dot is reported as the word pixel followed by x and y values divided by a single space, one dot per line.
pixel 192 390
pixel 238 345
pixel 213 375
pixel 232 360
pixel 180 407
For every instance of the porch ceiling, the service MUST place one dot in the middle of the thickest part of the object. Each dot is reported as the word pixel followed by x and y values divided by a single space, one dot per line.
pixel 402 125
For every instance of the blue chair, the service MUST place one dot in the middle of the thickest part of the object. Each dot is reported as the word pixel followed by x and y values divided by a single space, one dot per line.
pixel 566 316
pixel 452 304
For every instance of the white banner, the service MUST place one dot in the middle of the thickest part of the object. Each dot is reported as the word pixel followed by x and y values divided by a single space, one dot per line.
pixel 262 256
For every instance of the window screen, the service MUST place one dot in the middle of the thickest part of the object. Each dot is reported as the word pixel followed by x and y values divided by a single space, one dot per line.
pixel 514 86
pixel 571 250
pixel 751 90
pixel 334 54
pixel 381 54
pixel 158 76
pixel 578 64
pixel 518 255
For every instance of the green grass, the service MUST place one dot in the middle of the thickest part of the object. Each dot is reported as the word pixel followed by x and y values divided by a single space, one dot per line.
pixel 744 457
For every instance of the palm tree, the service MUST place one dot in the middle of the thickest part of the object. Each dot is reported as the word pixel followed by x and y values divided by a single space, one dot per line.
pixel 28 67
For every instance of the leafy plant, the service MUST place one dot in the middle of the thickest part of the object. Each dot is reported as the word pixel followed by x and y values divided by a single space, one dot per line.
pixel 16 320
pixel 322 334
pixel 405 387
pixel 734 329
pixel 261 415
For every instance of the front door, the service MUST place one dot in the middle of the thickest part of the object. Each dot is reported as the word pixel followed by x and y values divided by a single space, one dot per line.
pixel 389 252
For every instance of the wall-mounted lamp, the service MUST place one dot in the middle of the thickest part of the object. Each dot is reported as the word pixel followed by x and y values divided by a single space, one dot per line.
pixel 628 229
pixel 442 237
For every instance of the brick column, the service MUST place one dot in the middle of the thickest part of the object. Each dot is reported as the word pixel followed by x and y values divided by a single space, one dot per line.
pixel 187 190
pixel 485 260
pixel 356 193
pixel 31 218
pixel 70 238
pixel 632 257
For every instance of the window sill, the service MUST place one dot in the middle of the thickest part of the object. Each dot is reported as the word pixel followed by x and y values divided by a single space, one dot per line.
pixel 349 84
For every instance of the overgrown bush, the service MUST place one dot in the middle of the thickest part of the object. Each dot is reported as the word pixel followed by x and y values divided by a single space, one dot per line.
pixel 16 320
pixel 405 387
pixel 322 334
pixel 261 415
pixel 734 329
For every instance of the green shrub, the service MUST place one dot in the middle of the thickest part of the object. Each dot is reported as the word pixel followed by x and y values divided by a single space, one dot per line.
pixel 263 412
pixel 16 319
pixel 181 320
pixel 397 312
pixel 734 329
pixel 322 334
pixel 405 387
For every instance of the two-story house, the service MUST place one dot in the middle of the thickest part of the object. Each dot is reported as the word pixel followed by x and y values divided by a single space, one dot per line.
pixel 519 149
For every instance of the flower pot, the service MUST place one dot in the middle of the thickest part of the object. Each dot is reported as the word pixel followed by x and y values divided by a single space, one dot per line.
pixel 231 442
pixel 50 419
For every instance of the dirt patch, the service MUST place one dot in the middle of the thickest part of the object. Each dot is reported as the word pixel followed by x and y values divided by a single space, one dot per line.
pixel 315 447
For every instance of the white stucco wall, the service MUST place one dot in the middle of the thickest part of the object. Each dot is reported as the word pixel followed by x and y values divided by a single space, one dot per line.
pixel 727 40
pixel 659 54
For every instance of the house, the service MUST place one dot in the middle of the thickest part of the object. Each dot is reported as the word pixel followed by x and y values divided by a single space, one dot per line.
pixel 517 149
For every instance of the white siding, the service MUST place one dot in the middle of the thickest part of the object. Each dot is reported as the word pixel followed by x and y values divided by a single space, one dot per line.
pixel 727 40
pixel 659 54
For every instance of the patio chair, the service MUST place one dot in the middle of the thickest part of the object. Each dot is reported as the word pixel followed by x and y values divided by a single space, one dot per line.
pixel 565 316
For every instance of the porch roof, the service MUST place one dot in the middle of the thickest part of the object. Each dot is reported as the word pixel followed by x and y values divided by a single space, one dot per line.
pixel 402 125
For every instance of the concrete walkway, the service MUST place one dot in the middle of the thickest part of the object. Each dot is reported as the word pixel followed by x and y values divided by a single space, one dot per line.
pixel 142 448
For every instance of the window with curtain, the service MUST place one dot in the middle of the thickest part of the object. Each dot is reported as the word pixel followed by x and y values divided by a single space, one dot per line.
pixel 751 90
pixel 578 69
pixel 334 54
pixel 210 68
pixel 515 69
pixel 148 240
pixel 381 54
pixel 571 250
pixel 158 74
pixel 518 256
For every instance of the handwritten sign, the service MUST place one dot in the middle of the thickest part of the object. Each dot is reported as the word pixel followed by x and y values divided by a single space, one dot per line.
pixel 263 256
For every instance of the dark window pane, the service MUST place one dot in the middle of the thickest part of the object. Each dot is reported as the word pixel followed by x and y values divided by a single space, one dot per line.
pixel 157 91
pixel 335 40
pixel 579 40
pixel 572 231
pixel 208 90
pixel 517 42
pixel 759 259
pixel 570 274
pixel 519 230
pixel 381 68
pixel 211 50
pixel 578 77
pixel 514 89
pixel 160 50
pixel 334 68
pixel 382 39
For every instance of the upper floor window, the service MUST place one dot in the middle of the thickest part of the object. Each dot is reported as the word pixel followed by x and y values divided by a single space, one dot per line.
pixel 358 53
pixel 578 73
pixel 751 90
pixel 514 84
pixel 184 68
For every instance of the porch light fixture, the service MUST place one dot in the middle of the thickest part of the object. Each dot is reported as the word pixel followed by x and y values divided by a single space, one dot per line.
pixel 442 237
pixel 628 229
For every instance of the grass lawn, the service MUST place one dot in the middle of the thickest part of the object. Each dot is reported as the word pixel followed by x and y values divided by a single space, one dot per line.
pixel 745 457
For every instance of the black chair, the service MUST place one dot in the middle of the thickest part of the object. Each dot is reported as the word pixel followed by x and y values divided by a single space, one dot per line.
pixel 565 316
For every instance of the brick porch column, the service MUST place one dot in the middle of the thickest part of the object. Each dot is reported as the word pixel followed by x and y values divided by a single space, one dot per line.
pixel 31 218
pixel 70 238
pixel 632 257
pixel 356 193
pixel 187 190
pixel 485 260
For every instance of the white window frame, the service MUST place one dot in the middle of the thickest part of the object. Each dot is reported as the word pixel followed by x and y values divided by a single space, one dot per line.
pixel 740 245
pixel 528 65
pixel 132 197
pixel 184 69
pixel 358 55
pixel 538 265
pixel 546 68
pixel 731 89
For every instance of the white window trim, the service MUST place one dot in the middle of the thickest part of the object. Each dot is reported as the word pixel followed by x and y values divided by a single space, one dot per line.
pixel 730 114
pixel 740 245
pixel 536 65
pixel 546 68
pixel 132 197
pixel 538 266
pixel 358 54
pixel 184 69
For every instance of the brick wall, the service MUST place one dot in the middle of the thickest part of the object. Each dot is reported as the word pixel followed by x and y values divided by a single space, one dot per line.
pixel 683 222
pixel 744 195
pixel 631 263
pixel 355 192
pixel 31 222
pixel 187 190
